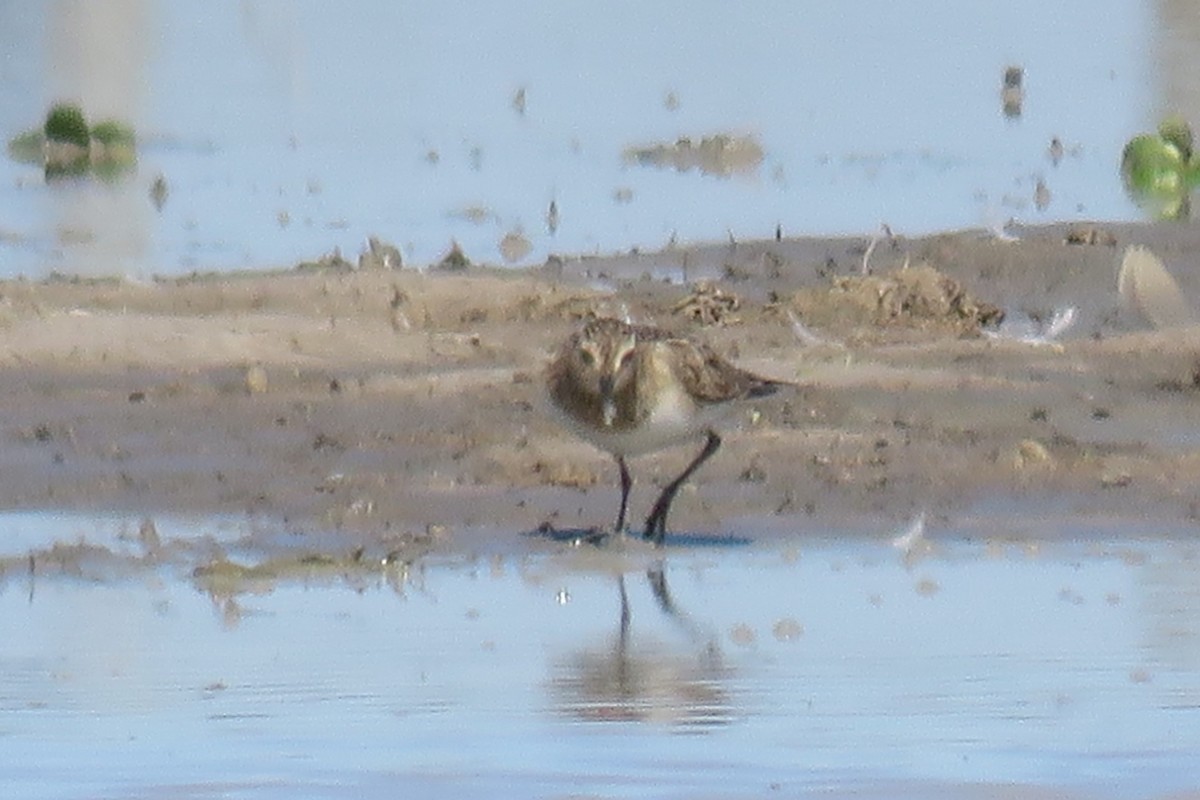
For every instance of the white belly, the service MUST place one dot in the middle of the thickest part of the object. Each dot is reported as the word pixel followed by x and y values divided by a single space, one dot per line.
pixel 675 419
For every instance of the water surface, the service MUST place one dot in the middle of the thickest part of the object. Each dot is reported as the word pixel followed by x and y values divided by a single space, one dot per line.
pixel 788 669
pixel 285 130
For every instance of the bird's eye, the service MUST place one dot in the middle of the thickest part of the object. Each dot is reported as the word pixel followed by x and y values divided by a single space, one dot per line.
pixel 587 358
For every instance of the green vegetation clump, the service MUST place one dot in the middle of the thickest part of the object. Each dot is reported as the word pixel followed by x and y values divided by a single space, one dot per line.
pixel 65 123
pixel 26 148
pixel 1160 169
pixel 1176 130
pixel 113 133
pixel 113 148
pixel 67 146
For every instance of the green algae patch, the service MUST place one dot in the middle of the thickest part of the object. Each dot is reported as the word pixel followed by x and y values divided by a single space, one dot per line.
pixel 1160 170
pixel 66 124
pixel 225 578
pixel 67 146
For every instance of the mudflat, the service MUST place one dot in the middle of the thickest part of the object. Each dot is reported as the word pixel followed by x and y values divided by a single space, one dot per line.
pixel 404 405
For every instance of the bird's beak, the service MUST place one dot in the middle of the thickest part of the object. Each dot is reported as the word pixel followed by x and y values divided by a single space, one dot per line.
pixel 608 408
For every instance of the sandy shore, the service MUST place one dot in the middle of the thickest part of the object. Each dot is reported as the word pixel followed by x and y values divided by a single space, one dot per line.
pixel 399 405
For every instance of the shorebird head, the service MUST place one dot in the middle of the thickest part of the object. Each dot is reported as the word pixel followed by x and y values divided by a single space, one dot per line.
pixel 604 362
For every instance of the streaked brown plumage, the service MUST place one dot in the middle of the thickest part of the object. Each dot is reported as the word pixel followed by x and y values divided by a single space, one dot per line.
pixel 633 389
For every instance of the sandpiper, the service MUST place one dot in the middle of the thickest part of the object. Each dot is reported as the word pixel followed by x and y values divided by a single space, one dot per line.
pixel 634 389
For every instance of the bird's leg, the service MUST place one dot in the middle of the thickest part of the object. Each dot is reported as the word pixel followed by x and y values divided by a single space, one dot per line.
pixel 624 612
pixel 658 585
pixel 626 485
pixel 656 523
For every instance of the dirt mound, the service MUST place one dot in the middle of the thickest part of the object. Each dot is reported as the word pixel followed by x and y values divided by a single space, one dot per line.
pixel 918 300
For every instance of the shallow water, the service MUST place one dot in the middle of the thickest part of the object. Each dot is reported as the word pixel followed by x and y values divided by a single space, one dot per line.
pixel 823 667
pixel 287 129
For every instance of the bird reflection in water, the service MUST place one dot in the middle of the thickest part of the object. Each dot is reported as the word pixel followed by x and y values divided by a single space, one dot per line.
pixel 634 679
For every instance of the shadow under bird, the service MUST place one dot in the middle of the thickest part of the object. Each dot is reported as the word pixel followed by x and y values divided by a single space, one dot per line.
pixel 635 389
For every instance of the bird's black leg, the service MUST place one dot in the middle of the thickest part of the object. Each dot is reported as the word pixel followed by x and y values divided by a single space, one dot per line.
pixel 626 485
pixel 658 585
pixel 656 523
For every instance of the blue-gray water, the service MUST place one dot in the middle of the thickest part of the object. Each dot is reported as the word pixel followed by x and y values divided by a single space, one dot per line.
pixel 812 667
pixel 287 129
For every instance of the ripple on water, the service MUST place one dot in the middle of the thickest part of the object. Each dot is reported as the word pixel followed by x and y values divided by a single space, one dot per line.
pixel 712 671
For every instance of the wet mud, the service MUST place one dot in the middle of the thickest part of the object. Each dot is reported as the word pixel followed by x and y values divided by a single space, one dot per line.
pixel 402 409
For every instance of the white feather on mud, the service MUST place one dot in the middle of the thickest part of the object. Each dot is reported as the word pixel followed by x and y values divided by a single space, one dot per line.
pixel 1148 290
pixel 1020 327
pixel 911 542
